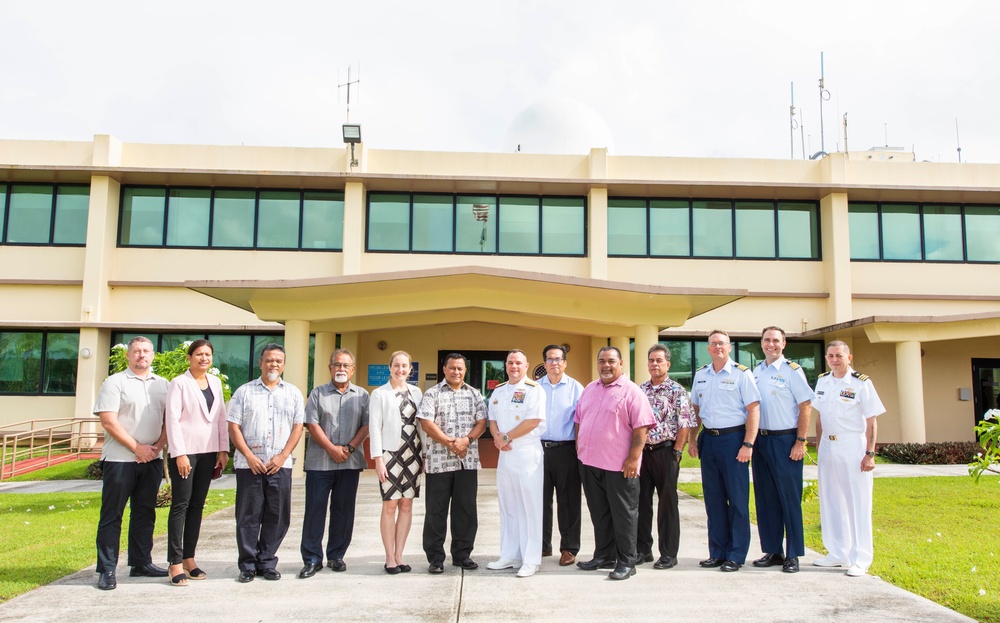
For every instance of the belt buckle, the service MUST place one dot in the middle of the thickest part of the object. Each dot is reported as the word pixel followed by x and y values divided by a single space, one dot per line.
pixel 832 437
pixel 713 431
pixel 763 432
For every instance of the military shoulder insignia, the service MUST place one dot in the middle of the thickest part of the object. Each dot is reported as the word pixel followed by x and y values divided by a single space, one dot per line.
pixel 741 367
pixel 500 385
pixel 530 382
pixel 704 366
pixel 859 376
pixel 824 374
pixel 793 365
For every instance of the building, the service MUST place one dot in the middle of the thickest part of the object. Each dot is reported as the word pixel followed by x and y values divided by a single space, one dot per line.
pixel 478 253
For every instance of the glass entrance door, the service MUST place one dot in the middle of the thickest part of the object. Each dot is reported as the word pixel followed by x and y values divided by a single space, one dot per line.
pixel 986 386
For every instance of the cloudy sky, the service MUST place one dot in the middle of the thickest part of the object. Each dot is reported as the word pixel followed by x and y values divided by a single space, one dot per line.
pixel 670 78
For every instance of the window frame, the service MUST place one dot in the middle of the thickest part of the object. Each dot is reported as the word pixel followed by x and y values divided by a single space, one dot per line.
pixel 43 363
pixel 53 213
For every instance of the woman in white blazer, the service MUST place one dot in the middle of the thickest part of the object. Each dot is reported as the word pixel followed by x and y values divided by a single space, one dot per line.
pixel 395 445
pixel 199 445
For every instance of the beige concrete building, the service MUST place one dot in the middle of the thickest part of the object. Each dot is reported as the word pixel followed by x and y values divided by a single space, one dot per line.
pixel 436 252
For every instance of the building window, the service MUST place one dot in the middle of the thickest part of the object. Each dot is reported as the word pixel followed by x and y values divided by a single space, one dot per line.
pixel 38 362
pixel 231 218
pixel 505 224
pixel 686 356
pixel 44 214
pixel 893 232
pixel 713 229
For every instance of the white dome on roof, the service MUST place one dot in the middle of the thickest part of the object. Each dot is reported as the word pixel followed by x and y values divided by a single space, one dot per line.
pixel 558 126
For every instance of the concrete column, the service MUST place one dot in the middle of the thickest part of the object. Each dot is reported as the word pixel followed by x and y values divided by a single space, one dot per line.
pixel 623 343
pixel 350 342
pixel 645 337
pixel 597 232
pixel 836 245
pixel 297 372
pixel 354 226
pixel 596 344
pixel 326 343
pixel 90 373
pixel 910 381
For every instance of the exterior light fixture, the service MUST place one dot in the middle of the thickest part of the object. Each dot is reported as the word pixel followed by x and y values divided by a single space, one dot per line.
pixel 352 135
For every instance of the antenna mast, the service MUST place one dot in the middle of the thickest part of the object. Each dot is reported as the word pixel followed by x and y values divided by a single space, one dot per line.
pixel 824 95
pixel 348 85
pixel 791 125
pixel 958 141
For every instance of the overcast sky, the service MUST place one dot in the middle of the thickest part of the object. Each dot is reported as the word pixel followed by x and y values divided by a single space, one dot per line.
pixel 670 78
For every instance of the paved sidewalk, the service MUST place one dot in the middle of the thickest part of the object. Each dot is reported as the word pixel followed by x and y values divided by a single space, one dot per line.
pixel 364 593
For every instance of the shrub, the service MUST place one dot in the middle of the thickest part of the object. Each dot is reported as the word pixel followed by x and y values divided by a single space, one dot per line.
pixel 944 453
pixel 164 496
pixel 987 458
pixel 94 471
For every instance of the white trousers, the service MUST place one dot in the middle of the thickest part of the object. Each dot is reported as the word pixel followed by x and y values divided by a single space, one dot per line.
pixel 845 500
pixel 519 490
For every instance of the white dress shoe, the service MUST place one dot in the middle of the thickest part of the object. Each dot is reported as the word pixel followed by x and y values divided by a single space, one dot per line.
pixel 856 572
pixel 503 563
pixel 526 571
pixel 827 561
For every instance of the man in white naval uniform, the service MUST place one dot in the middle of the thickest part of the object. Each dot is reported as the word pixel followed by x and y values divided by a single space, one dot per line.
pixel 846 431
pixel 517 420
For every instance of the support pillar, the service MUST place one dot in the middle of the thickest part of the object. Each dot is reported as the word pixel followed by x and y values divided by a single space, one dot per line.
pixel 623 343
pixel 910 381
pixel 596 344
pixel 297 373
pixel 645 337
pixel 326 343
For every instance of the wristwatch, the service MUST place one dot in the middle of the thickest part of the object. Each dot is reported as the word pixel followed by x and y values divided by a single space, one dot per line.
pixel 747 444
pixel 678 454
pixel 802 439
pixel 350 449
pixel 870 452
pixel 506 438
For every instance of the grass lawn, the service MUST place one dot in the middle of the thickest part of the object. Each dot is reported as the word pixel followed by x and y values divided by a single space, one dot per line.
pixel 49 535
pixel 70 470
pixel 934 536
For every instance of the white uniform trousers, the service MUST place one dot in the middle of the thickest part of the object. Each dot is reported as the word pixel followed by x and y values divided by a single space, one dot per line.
pixel 519 489
pixel 845 500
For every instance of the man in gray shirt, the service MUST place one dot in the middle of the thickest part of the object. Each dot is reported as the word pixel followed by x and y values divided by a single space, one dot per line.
pixel 130 405
pixel 337 421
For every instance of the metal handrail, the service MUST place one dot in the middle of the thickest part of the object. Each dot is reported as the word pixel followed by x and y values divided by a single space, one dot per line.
pixel 47 434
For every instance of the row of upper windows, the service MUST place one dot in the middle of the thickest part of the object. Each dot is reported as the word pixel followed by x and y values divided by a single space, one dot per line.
pixel 231 218
pixel 713 229
pixel 504 224
pixel 38 362
pixel 922 232
pixel 44 214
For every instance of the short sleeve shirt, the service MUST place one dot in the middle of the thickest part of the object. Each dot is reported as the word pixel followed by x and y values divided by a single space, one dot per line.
pixel 340 415
pixel 782 388
pixel 140 405
pixel 455 412
pixel 845 404
pixel 265 418
pixel 512 404
pixel 607 416
pixel 722 397
pixel 671 409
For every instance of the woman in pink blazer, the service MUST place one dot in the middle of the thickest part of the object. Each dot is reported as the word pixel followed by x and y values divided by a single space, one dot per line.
pixel 198 443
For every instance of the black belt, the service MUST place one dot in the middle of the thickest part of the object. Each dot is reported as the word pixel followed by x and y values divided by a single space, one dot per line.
pixel 776 433
pixel 556 444
pixel 652 447
pixel 725 431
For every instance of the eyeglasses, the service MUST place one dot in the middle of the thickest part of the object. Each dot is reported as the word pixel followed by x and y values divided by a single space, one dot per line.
pixel 277 361
pixel 555 360
pixel 339 365
pixel 718 344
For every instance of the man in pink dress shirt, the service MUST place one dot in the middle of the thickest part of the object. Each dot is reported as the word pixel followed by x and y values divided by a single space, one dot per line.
pixel 612 419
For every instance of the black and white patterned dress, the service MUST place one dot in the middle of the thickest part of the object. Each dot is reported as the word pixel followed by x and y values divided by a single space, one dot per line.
pixel 404 466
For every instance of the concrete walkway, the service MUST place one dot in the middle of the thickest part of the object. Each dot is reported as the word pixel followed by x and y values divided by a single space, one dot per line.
pixel 366 594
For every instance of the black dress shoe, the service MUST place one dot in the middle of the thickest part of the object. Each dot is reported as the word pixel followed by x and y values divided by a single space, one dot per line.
pixel 791 565
pixel 546 552
pixel 107 581
pixel 148 571
pixel 405 568
pixel 271 574
pixel 468 564
pixel 710 563
pixel 769 560
pixel 337 564
pixel 622 572
pixel 665 562
pixel 310 570
pixel 391 570
pixel 729 566
pixel 246 576
pixel 435 568
pixel 595 564
pixel 643 557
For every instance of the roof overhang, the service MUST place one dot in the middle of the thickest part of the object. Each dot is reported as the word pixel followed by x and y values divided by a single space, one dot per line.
pixel 892 329
pixel 460 294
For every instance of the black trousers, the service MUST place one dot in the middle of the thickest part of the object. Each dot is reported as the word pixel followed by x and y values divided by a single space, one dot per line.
pixel 338 489
pixel 614 510
pixel 457 489
pixel 263 513
pixel 561 476
pixel 122 482
pixel 187 505
pixel 659 473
